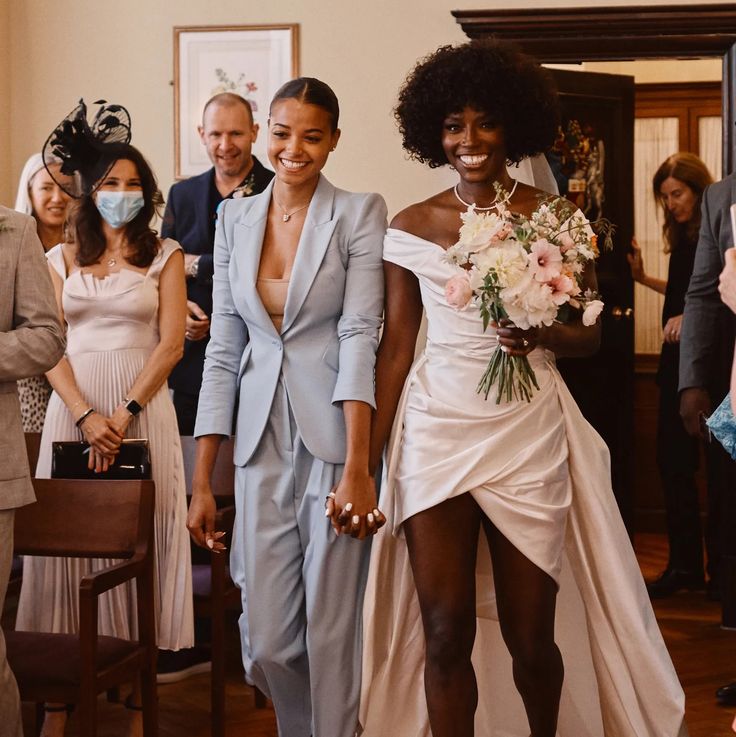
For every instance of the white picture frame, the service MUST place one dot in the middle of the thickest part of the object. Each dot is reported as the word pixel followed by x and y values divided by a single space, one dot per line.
pixel 252 61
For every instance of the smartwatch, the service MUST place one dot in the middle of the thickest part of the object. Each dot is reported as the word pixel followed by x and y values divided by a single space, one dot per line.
pixel 132 406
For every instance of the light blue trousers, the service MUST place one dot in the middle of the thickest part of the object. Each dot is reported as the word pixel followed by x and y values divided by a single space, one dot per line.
pixel 302 586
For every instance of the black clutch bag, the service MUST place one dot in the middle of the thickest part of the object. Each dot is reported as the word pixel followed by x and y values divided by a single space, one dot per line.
pixel 69 460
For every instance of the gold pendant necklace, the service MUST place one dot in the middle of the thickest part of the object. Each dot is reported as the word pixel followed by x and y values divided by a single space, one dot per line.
pixel 287 215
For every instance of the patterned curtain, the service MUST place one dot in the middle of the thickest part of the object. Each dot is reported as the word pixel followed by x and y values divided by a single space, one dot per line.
pixel 654 140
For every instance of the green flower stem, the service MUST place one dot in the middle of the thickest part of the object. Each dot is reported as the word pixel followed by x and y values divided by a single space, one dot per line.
pixel 513 377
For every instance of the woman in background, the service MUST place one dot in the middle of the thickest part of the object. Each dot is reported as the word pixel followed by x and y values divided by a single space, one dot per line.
pixel 678 188
pixel 40 196
pixel 122 297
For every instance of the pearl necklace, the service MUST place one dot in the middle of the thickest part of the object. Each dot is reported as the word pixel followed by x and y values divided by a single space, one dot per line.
pixel 493 206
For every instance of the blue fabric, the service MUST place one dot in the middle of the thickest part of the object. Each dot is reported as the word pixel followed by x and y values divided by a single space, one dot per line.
pixel 722 424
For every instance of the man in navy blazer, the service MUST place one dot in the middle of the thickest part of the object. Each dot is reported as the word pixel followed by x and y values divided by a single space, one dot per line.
pixel 228 133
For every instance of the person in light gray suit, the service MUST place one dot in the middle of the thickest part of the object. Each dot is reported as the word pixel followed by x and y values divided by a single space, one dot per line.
pixel 31 342
pixel 707 340
pixel 298 300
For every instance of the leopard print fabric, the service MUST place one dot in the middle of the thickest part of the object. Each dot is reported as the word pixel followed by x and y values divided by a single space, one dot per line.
pixel 33 394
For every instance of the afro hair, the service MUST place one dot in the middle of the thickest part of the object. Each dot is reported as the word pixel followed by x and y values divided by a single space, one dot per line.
pixel 486 75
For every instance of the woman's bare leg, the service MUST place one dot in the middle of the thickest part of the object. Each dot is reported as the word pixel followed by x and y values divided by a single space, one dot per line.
pixel 526 598
pixel 443 543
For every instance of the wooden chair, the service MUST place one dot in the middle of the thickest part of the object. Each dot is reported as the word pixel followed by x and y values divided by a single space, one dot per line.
pixel 90 519
pixel 214 591
pixel 33 442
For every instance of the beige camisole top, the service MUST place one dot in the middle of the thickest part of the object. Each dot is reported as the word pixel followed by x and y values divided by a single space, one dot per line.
pixel 273 295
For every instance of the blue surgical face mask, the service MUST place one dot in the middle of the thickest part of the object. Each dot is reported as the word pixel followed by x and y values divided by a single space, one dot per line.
pixel 119 208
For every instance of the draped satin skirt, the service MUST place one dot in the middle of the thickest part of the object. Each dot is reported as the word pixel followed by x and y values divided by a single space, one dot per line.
pixel 541 473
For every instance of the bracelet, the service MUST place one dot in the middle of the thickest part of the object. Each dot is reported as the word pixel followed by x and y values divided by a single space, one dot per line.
pixel 84 416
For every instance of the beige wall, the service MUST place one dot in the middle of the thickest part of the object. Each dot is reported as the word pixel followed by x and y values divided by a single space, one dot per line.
pixel 656 70
pixel 123 52
pixel 5 72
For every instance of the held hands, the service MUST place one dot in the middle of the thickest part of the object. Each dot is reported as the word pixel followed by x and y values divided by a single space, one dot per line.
pixel 201 519
pixel 515 341
pixel 672 329
pixel 351 506
pixel 198 324
pixel 636 262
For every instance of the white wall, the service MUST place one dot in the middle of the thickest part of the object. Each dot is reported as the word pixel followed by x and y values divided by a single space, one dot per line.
pixel 69 49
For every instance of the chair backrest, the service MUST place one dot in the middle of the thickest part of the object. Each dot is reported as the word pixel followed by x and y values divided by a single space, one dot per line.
pixel 86 519
pixel 223 475
pixel 33 444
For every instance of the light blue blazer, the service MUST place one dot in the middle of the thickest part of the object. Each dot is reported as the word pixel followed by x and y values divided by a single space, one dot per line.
pixel 327 345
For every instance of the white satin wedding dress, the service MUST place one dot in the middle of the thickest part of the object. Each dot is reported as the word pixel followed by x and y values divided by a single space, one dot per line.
pixel 541 474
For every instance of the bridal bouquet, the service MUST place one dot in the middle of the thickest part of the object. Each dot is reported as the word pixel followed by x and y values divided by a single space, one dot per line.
pixel 526 269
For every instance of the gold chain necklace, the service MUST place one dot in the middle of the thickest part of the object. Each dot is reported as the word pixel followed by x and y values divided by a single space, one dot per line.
pixel 287 215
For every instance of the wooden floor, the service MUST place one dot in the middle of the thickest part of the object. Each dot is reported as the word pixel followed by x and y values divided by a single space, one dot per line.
pixel 703 653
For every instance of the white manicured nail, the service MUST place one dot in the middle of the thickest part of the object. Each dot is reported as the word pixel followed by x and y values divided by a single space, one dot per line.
pixel 356 519
pixel 349 507
pixel 371 519
pixel 327 512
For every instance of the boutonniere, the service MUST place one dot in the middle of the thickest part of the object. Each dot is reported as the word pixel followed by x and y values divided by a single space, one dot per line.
pixel 245 189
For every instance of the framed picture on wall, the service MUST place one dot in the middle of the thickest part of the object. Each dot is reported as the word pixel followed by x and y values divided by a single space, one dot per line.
pixel 251 61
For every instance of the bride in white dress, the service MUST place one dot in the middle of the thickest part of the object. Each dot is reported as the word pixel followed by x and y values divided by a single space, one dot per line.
pixel 552 633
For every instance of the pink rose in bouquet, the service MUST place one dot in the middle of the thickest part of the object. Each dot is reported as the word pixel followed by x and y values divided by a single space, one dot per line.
pixel 458 291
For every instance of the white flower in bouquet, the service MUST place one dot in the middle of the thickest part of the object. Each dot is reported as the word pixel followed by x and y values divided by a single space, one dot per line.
pixel 508 264
pixel 529 304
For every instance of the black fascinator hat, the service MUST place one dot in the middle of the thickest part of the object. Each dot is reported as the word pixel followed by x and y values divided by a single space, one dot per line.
pixel 83 149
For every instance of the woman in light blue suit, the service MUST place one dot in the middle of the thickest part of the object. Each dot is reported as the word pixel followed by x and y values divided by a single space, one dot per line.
pixel 298 298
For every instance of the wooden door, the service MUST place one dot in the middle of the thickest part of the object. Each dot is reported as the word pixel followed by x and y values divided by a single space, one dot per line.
pixel 593 165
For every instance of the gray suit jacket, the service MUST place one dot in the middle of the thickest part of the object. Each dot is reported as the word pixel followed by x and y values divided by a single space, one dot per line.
pixel 326 347
pixel 705 314
pixel 31 342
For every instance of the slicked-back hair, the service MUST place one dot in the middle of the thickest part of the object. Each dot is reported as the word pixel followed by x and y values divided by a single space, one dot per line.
pixel 311 91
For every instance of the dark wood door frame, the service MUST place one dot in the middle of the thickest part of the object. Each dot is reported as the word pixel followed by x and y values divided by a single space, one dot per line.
pixel 574 35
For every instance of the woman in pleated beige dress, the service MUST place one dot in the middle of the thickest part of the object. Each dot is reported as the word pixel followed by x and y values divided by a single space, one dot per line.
pixel 508 601
pixel 122 297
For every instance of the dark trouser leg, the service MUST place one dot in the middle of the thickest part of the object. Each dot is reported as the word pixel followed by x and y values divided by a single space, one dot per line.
pixel 186 411
pixel 677 459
